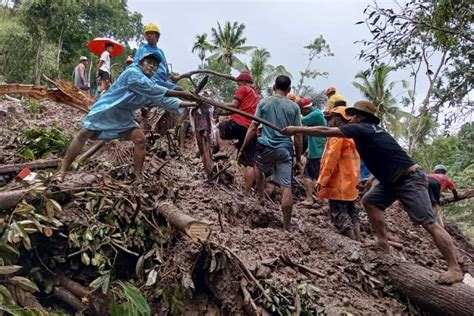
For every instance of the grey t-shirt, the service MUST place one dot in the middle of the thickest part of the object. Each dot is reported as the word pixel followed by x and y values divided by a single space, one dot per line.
pixel 78 82
pixel 282 112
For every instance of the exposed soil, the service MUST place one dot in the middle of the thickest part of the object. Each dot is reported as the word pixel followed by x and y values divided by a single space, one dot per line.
pixel 251 231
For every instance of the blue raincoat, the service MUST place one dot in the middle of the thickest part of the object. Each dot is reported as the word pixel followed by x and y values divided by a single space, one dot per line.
pixel 162 75
pixel 114 112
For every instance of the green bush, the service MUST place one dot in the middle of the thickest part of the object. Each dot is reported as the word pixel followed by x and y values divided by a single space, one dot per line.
pixel 38 142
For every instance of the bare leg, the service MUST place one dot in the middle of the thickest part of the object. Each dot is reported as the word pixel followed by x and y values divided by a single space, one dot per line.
pixel 437 213
pixel 287 207
pixel 260 182
pixel 139 140
pixel 445 245
pixel 74 150
pixel 358 235
pixel 249 176
pixel 309 185
pixel 145 124
pixel 377 221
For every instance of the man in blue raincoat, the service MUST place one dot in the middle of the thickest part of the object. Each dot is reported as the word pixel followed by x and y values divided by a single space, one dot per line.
pixel 113 115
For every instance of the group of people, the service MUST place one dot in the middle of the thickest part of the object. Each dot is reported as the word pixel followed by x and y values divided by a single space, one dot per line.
pixel 339 141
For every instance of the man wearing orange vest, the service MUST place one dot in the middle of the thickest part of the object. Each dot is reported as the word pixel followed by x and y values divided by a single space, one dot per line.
pixel 339 176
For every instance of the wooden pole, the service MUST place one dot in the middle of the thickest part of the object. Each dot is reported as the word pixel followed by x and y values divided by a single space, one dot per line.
pixel 37 164
pixel 193 228
pixel 462 196
pixel 234 110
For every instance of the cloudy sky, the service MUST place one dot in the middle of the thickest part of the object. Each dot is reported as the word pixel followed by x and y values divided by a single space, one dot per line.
pixel 282 27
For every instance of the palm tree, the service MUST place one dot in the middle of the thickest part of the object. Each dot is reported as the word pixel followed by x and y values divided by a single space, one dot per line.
pixel 262 72
pixel 201 45
pixel 229 42
pixel 376 88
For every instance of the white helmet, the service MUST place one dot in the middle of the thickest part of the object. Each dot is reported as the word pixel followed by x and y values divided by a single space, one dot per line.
pixel 440 167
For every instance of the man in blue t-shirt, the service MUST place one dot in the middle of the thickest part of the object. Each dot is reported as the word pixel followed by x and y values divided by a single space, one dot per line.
pixel 400 178
pixel 274 150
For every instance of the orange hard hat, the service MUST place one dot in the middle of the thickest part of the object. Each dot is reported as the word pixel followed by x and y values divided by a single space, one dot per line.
pixel 330 90
pixel 291 96
pixel 341 110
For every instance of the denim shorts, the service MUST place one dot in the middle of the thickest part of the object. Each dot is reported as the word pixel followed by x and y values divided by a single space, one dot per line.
pixel 411 190
pixel 278 160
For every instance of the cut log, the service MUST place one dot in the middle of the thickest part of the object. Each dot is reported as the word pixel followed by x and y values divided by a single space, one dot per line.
pixel 10 199
pixel 418 284
pixel 67 297
pixel 462 196
pixel 37 164
pixel 194 229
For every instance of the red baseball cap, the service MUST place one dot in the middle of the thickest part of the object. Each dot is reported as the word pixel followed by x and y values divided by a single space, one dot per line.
pixel 305 103
pixel 244 76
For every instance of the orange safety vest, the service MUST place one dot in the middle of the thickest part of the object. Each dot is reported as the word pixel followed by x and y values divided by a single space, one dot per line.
pixel 340 168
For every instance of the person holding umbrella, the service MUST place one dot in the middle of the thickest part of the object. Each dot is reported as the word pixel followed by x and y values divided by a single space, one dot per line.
pixel 113 115
pixel 103 68
pixel 112 49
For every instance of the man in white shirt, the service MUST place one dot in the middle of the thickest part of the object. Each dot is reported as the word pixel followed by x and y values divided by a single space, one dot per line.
pixel 103 68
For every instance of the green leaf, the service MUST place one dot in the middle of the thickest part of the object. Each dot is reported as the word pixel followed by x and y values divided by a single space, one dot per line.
pixel 85 259
pixel 9 269
pixel 135 297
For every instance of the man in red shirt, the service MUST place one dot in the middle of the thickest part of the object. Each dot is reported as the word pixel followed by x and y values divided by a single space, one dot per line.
pixel 245 99
pixel 438 182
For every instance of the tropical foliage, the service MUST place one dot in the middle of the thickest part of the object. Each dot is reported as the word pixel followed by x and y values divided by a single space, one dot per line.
pixel 201 45
pixel 376 87
pixel 263 73
pixel 51 35
pixel 228 42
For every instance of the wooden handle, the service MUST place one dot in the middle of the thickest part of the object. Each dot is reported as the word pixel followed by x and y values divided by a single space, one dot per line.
pixel 234 110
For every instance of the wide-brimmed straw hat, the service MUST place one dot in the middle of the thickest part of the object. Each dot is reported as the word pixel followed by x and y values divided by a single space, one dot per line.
pixel 366 109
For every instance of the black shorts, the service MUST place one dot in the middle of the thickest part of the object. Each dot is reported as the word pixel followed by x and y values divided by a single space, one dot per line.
pixel 311 169
pixel 434 189
pixel 411 190
pixel 104 75
pixel 231 130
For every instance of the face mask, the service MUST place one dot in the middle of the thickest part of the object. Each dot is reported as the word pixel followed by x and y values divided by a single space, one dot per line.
pixel 149 66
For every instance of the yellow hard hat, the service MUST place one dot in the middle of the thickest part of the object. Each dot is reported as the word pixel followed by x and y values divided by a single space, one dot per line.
pixel 291 96
pixel 152 28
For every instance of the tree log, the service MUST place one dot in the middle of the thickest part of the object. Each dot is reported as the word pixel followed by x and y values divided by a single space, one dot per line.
pixel 462 196
pixel 69 298
pixel 10 199
pixel 37 164
pixel 193 228
pixel 414 281
pixel 418 284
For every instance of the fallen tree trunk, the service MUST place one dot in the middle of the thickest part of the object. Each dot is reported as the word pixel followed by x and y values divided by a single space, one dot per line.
pixel 418 284
pixel 37 164
pixel 414 281
pixel 194 229
pixel 462 196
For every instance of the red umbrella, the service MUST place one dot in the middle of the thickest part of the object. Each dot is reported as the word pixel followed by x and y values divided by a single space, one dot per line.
pixel 97 46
